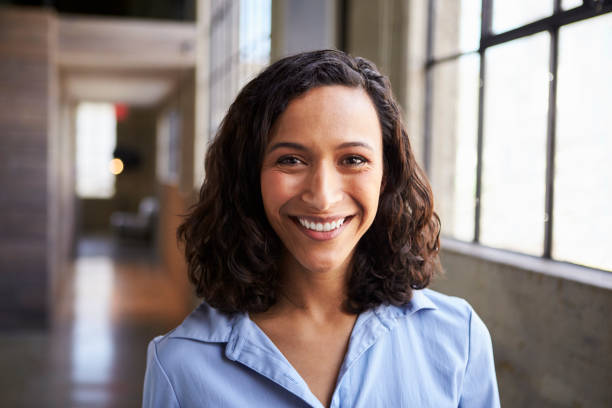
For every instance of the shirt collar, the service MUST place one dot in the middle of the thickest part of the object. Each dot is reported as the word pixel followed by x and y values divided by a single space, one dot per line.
pixel 389 315
pixel 209 325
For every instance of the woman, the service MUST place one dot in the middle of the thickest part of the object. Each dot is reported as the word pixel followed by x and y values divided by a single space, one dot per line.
pixel 311 244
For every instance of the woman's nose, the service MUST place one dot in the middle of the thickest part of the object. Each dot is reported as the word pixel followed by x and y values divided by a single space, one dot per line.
pixel 323 188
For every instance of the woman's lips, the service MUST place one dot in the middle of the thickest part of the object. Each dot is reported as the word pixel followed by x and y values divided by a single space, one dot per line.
pixel 321 229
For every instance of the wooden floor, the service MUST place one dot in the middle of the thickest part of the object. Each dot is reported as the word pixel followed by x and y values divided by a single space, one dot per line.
pixel 117 299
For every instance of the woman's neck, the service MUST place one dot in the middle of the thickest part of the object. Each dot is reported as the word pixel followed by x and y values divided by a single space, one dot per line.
pixel 318 295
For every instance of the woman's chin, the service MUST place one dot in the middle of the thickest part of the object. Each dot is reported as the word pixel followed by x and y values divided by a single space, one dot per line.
pixel 324 263
pixel 322 268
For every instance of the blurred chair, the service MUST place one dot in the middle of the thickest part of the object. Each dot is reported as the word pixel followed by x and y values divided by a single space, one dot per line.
pixel 140 225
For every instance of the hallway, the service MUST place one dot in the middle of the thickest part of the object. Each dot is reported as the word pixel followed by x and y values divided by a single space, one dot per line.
pixel 116 299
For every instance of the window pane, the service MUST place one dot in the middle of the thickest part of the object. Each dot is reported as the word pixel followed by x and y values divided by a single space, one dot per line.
pixel 508 14
pixel 454 135
pixel 168 147
pixel 583 160
pixel 255 42
pixel 457 26
pixel 514 154
pixel 96 136
pixel 224 64
pixel 570 4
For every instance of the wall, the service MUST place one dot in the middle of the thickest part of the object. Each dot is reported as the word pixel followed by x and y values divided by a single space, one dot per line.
pixel 383 33
pixel 377 30
pixel 27 146
pixel 552 337
pixel 93 215
pixel 136 133
pixel 172 205
pixel 63 208
pixel 176 194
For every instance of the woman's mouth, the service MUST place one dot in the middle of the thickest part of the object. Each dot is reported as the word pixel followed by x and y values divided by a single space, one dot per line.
pixel 321 226
pixel 322 229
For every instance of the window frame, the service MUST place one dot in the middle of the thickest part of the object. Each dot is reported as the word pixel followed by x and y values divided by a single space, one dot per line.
pixel 551 24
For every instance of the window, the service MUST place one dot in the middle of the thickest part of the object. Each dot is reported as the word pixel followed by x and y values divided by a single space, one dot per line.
pixel 169 146
pixel 96 136
pixel 583 153
pixel 517 141
pixel 239 48
pixel 255 42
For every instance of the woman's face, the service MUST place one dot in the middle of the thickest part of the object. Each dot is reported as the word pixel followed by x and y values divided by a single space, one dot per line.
pixel 321 175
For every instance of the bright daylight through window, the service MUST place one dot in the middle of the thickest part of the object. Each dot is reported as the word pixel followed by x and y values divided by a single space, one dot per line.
pixel 508 170
pixel 96 137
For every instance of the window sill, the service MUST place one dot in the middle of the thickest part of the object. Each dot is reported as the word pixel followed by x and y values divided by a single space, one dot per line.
pixel 558 269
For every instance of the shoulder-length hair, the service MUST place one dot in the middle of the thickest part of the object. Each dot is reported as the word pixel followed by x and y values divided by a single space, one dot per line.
pixel 231 249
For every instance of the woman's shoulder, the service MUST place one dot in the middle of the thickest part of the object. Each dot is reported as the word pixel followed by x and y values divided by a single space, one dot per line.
pixel 452 331
pixel 447 318
pixel 203 326
pixel 446 305
pixel 428 303
pixel 197 349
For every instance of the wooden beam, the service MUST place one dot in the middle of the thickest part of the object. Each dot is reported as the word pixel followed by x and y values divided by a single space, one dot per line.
pixel 86 42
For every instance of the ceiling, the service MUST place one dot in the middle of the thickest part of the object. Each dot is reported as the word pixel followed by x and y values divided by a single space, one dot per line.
pixel 117 88
pixel 131 61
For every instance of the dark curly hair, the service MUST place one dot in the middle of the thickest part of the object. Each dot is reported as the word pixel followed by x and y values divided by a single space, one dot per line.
pixel 231 249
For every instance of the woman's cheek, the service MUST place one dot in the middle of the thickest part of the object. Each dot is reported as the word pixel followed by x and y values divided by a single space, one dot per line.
pixel 278 187
pixel 367 184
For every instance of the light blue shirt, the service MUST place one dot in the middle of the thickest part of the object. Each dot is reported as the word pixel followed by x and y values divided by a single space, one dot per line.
pixel 433 352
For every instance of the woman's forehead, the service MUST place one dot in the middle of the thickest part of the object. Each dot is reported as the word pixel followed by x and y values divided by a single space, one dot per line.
pixel 333 115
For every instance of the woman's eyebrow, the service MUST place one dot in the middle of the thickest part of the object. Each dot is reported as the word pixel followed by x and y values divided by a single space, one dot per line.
pixel 290 145
pixel 355 144
pixel 297 146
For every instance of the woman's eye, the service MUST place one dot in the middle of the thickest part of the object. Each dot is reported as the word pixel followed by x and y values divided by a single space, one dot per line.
pixel 354 161
pixel 289 161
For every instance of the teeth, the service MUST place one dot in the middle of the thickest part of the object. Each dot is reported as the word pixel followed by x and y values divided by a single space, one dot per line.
pixel 326 227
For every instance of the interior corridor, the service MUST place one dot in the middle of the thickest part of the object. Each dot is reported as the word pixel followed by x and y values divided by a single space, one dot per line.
pixel 115 300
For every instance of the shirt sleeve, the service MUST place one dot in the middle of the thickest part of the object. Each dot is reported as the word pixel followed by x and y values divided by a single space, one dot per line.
pixel 158 391
pixel 480 383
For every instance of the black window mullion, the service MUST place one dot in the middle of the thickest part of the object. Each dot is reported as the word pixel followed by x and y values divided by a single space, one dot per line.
pixel 485 28
pixel 559 18
pixel 431 8
pixel 551 141
pixel 479 147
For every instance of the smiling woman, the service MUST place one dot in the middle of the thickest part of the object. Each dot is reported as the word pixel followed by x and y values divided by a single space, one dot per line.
pixel 312 242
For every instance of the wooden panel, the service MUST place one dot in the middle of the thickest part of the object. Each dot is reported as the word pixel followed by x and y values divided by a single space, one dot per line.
pixel 24 224
pixel 23 284
pixel 24 33
pixel 25 67
pixel 23 170
pixel 24 137
pixel 18 257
